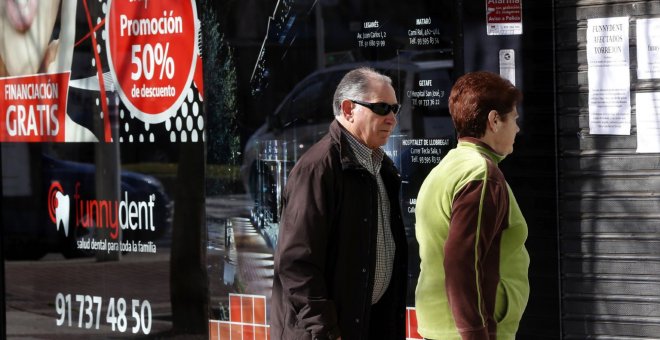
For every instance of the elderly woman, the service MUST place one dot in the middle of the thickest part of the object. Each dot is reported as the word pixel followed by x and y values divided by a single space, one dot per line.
pixel 473 282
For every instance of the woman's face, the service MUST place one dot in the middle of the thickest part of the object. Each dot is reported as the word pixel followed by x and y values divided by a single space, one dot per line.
pixel 505 134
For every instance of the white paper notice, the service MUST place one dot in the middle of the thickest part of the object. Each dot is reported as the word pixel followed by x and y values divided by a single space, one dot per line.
pixel 609 76
pixel 648 121
pixel 648 48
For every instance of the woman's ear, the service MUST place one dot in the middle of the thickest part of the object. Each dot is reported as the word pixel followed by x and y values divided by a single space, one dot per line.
pixel 493 120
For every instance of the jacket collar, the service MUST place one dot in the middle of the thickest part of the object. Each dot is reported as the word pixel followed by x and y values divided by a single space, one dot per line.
pixel 483 148
pixel 346 155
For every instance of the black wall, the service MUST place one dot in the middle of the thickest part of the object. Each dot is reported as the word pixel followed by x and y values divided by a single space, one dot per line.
pixel 531 169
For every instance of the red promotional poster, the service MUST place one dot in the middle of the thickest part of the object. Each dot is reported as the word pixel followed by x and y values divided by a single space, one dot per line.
pixel 151 54
pixel 133 64
pixel 33 108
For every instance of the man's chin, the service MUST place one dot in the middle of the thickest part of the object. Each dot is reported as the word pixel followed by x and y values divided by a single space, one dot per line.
pixel 382 142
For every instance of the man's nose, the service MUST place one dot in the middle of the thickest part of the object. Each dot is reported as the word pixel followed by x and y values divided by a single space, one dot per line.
pixel 391 118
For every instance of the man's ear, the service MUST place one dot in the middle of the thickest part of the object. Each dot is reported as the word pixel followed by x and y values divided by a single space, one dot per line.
pixel 347 109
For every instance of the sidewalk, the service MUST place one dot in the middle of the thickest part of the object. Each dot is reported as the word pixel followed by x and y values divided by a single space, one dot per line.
pixel 244 264
pixel 240 274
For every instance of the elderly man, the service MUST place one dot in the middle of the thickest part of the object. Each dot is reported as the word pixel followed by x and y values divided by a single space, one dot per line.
pixel 340 263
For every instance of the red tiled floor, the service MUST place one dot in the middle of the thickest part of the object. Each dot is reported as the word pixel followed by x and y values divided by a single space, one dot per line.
pixel 248 332
pixel 261 332
pixel 411 324
pixel 260 311
pixel 247 309
pixel 235 314
pixel 214 331
pixel 236 331
pixel 247 320
pixel 225 330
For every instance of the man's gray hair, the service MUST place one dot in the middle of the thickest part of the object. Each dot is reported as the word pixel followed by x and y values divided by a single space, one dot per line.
pixel 355 85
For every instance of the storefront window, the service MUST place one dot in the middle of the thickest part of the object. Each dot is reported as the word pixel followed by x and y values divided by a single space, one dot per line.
pixel 103 135
pixel 146 146
pixel 288 65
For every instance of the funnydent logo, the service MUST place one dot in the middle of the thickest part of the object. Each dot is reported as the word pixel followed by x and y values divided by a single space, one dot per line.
pixel 114 215
pixel 58 207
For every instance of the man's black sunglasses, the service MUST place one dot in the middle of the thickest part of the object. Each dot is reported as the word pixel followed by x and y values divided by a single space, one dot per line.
pixel 381 109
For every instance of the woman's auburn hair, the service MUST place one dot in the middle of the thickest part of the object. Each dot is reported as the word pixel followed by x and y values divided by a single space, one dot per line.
pixel 474 95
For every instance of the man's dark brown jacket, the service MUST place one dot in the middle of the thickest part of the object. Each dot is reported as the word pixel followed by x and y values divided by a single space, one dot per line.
pixel 326 251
